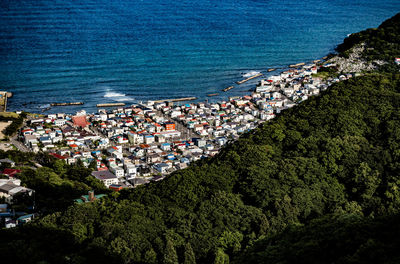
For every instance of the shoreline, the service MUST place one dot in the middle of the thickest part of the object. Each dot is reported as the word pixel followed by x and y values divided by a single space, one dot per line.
pixel 215 96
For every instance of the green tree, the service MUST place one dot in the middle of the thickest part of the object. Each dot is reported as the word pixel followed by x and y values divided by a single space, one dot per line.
pixel 150 256
pixel 170 255
pixel 221 257
pixel 189 257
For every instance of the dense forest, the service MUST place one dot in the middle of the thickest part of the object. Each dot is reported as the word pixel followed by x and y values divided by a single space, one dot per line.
pixel 318 184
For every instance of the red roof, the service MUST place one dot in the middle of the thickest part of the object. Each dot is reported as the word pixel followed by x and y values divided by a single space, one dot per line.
pixel 80 121
pixel 57 156
pixel 10 172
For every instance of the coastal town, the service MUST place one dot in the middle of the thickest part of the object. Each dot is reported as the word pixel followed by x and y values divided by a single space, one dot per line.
pixel 131 146
pixel 134 145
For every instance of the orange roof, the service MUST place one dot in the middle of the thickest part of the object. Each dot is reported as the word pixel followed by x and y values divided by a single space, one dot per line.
pixel 80 121
pixel 73 146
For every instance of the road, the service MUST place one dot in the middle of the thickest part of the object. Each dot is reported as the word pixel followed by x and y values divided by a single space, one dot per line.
pixel 19 145
pixel 186 133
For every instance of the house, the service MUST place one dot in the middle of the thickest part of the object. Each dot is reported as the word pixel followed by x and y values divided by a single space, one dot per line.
pixel 169 126
pixel 3 208
pixel 149 139
pixel 25 219
pixel 161 167
pixel 8 161
pixel 80 121
pixel 106 177
pixel 118 171
pixel 90 197
pixel 10 223
pixel 118 155
pixel 130 169
pixel 59 122
pixel 199 142
pixel 10 188
pixel 165 146
pixel 58 156
pixel 10 172
pixel 30 139
pixel 116 187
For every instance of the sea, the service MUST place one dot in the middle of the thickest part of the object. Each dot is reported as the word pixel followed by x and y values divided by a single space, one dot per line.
pixel 130 51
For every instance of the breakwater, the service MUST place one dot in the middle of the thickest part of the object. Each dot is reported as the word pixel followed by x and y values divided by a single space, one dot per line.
pixel 110 104
pixel 297 65
pixel 250 78
pixel 174 100
pixel 66 104
pixel 227 88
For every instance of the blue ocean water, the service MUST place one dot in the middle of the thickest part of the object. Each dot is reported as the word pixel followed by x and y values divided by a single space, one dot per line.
pixel 132 50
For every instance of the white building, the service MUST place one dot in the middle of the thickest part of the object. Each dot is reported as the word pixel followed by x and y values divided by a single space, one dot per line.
pixel 106 177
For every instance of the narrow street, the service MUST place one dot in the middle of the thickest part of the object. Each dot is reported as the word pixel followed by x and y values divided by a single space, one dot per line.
pixel 186 133
pixel 18 145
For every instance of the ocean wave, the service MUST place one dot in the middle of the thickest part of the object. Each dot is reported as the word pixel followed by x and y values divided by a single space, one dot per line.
pixel 113 94
pixel 249 74
pixel 119 97
pixel 44 106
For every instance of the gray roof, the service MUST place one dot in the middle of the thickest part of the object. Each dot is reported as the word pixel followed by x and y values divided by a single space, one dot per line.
pixel 103 175
pixel 6 188
pixel 6 161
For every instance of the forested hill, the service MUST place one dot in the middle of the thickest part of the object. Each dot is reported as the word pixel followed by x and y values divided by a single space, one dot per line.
pixel 382 43
pixel 318 184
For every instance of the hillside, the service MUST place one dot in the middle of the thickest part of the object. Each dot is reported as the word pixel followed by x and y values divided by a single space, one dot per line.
pixel 371 49
pixel 318 183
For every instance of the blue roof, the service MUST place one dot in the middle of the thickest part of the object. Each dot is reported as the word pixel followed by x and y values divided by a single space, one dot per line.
pixel 25 216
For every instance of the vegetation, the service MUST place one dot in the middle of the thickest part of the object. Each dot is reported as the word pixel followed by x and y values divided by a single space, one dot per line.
pixel 56 184
pixel 326 72
pixel 332 239
pixel 318 184
pixel 17 121
pixel 382 43
pixel 336 154
pixel 9 114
